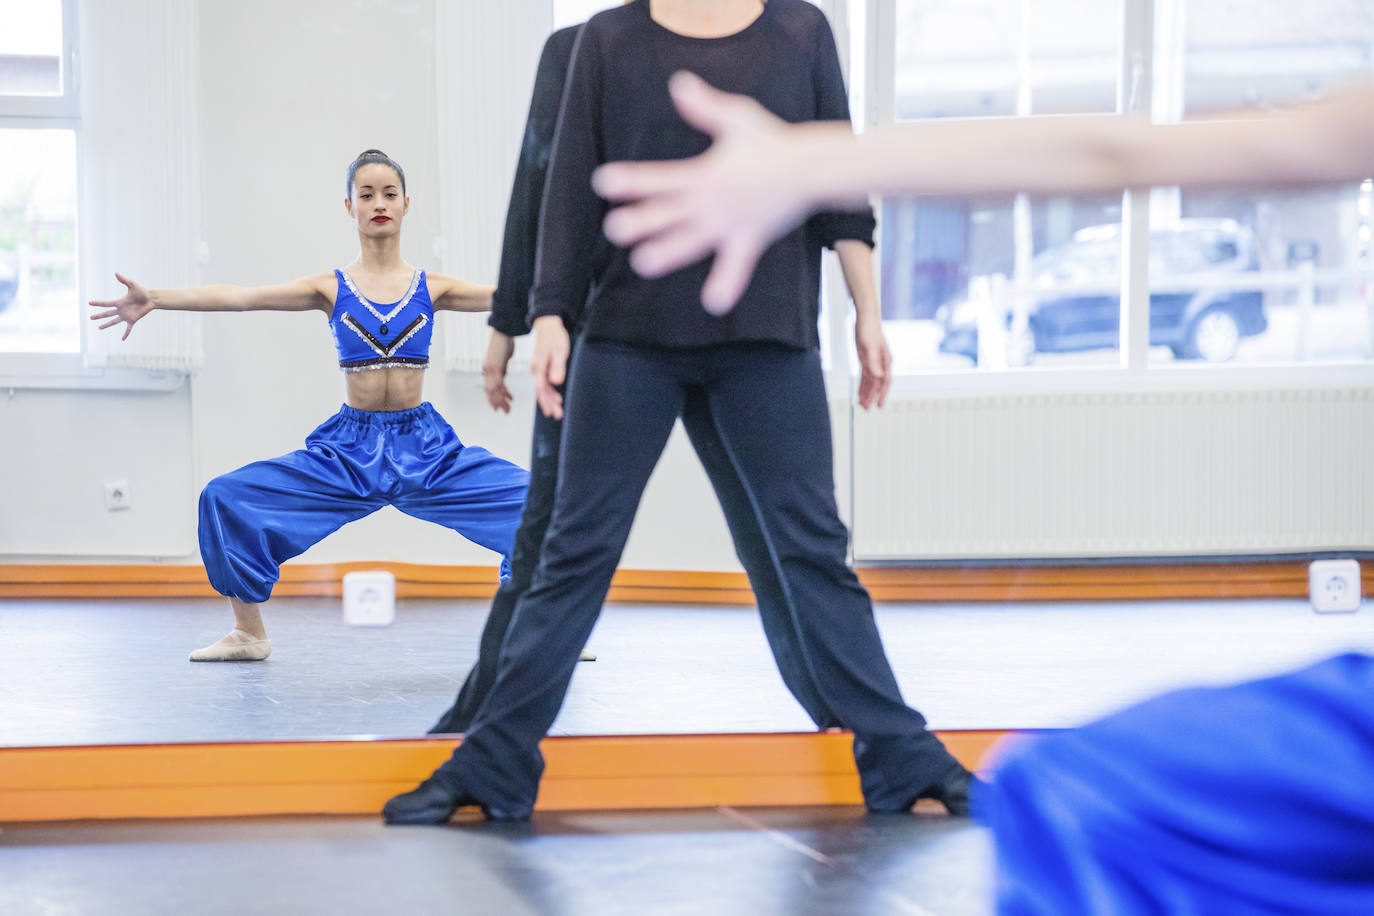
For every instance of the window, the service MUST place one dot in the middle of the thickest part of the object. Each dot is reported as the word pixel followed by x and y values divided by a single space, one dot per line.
pixel 964 281
pixel 967 283
pixel 978 58
pixel 31 49
pixel 1296 287
pixel 1234 277
pixel 39 280
pixel 38 267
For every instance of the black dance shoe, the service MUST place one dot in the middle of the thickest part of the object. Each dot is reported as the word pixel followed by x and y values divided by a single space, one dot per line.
pixel 434 801
pixel 431 802
pixel 953 791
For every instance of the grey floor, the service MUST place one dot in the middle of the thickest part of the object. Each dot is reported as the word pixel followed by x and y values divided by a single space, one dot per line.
pixel 758 862
pixel 115 671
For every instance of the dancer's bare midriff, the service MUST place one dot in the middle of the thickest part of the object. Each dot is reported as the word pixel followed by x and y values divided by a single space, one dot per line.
pixel 393 388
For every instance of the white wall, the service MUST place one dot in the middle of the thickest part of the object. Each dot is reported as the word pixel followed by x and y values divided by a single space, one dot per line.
pixel 60 446
pixel 59 449
pixel 288 93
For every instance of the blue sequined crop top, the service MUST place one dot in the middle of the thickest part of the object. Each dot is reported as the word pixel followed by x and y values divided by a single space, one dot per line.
pixel 371 336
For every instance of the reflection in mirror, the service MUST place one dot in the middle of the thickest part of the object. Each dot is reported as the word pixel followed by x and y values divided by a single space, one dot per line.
pixel 228 244
pixel 108 672
pixel 189 179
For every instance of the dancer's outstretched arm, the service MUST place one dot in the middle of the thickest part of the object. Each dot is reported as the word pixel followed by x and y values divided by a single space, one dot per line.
pixel 762 175
pixel 312 292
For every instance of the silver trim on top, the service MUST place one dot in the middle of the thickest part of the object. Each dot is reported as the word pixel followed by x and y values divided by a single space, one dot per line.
pixel 367 303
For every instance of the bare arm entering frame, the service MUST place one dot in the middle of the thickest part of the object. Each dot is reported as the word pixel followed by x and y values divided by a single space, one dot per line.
pixel 761 176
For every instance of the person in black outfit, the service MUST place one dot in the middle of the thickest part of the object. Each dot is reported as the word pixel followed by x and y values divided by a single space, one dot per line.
pixel 646 347
pixel 509 319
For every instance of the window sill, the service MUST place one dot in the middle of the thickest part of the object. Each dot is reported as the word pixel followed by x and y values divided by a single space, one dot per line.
pixel 67 371
pixel 1099 379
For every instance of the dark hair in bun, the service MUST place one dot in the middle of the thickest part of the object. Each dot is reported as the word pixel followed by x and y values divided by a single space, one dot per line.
pixel 368 157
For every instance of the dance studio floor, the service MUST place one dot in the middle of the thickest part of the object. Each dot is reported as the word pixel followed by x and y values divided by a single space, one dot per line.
pixel 95 672
pixel 758 862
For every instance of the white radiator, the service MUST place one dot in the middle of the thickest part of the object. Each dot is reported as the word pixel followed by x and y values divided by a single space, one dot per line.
pixel 1115 474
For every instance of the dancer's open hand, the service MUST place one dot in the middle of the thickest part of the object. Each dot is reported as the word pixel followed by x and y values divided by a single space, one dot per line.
pixel 549 366
pixel 734 199
pixel 135 304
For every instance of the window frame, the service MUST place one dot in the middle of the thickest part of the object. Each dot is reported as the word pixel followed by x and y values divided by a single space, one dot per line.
pixel 67 105
pixel 1135 84
pixel 63 112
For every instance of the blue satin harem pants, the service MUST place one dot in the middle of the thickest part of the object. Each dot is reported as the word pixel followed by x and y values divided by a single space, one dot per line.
pixel 257 517
pixel 1250 799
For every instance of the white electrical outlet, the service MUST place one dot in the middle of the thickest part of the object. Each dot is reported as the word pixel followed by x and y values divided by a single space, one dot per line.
pixel 369 598
pixel 1334 585
pixel 117 495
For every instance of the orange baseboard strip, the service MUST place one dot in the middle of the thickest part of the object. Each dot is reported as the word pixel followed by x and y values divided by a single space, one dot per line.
pixel 356 777
pixel 1116 582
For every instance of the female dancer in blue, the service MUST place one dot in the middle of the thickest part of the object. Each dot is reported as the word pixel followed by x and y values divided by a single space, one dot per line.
pixel 384 447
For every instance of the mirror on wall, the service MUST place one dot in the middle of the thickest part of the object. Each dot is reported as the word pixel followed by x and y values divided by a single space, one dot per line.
pixel 207 144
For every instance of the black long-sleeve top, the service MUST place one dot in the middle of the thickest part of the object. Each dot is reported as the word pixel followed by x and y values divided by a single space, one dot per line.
pixel 616 106
pixel 510 302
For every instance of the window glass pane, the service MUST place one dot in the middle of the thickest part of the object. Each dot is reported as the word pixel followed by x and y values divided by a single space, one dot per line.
pixel 1227 53
pixel 1260 275
pixel 963 58
pixel 1005 283
pixel 31 47
pixel 1010 282
pixel 39 310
